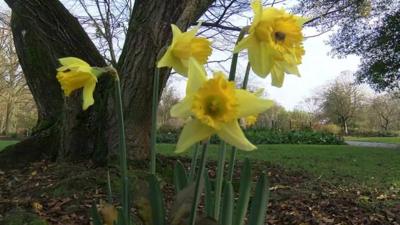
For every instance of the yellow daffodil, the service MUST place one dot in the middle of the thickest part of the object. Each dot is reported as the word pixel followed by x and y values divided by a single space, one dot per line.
pixel 109 214
pixel 274 43
pixel 250 120
pixel 75 74
pixel 184 46
pixel 214 106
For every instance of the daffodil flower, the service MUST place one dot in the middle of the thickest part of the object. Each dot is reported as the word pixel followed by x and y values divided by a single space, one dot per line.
pixel 184 46
pixel 274 43
pixel 75 74
pixel 250 120
pixel 215 106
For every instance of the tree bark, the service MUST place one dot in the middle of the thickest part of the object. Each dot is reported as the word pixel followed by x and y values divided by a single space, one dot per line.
pixel 45 31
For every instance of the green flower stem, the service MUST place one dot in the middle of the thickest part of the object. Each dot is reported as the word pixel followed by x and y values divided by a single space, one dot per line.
pixel 232 75
pixel 198 190
pixel 194 163
pixel 153 134
pixel 109 187
pixel 220 177
pixel 231 164
pixel 232 72
pixel 122 150
pixel 246 77
pixel 234 150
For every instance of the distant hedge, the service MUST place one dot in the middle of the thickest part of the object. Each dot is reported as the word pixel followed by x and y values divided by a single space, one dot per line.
pixel 267 136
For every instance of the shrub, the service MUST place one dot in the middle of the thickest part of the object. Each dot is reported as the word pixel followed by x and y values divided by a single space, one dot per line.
pixel 329 128
pixel 268 136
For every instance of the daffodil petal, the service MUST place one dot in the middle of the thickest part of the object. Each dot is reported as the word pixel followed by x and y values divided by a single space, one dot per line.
pixel 250 104
pixel 167 59
pixel 278 76
pixel 196 76
pixel 257 10
pixel 246 42
pixel 183 108
pixel 260 59
pixel 73 61
pixel 176 33
pixel 193 132
pixel 87 95
pixel 233 135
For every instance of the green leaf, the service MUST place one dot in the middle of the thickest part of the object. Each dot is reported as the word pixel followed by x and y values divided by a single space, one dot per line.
pixel 259 205
pixel 156 201
pixel 180 178
pixel 227 205
pixel 95 215
pixel 244 193
pixel 209 197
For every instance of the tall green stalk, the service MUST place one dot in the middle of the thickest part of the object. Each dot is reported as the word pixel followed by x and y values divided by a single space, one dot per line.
pixel 219 179
pixel 232 76
pixel 153 135
pixel 234 150
pixel 122 149
pixel 193 163
pixel 198 190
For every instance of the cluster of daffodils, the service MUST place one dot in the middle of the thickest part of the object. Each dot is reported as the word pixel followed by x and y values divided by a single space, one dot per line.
pixel 214 106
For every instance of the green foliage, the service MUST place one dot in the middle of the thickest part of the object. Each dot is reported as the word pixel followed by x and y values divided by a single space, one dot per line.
pixel 244 194
pixel 180 177
pixel 268 136
pixel 156 201
pixel 227 206
pixel 259 203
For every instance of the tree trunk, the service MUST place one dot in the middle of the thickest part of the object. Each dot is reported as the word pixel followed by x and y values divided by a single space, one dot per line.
pixel 45 31
pixel 346 130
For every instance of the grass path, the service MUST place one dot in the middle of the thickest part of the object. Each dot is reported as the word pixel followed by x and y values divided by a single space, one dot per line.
pixel 392 140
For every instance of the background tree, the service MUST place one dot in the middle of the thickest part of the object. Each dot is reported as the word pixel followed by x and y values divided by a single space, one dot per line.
pixel 168 99
pixel 45 31
pixel 15 96
pixel 387 109
pixel 367 28
pixel 341 101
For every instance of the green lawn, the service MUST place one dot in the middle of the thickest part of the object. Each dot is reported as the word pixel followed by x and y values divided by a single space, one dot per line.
pixel 4 144
pixel 343 163
pixel 394 140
